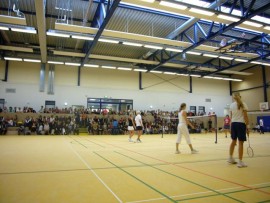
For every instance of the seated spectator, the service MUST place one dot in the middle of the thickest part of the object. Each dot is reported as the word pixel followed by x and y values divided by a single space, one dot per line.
pixel 3 127
pixel 95 128
pixel 115 129
pixel 46 128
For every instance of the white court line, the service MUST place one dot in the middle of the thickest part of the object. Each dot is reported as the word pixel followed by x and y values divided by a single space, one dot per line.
pixel 90 169
pixel 198 193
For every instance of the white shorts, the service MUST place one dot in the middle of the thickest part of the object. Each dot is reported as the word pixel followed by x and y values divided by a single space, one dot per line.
pixel 130 128
pixel 182 130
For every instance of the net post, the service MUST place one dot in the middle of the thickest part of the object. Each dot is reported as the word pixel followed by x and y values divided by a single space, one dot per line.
pixel 162 127
pixel 216 128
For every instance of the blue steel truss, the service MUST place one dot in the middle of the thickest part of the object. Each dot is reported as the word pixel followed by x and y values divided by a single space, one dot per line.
pixel 101 22
pixel 211 35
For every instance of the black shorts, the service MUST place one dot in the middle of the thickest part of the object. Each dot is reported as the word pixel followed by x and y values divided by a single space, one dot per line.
pixel 238 131
pixel 138 127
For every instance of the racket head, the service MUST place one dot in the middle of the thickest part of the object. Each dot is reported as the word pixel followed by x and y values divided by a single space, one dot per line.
pixel 250 151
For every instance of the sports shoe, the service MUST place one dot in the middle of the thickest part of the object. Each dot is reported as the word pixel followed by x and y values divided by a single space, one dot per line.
pixel 231 161
pixel 194 151
pixel 138 140
pixel 130 140
pixel 241 164
pixel 177 152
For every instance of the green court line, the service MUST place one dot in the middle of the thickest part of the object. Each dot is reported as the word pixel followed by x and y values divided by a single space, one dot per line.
pixel 90 141
pixel 265 201
pixel 52 171
pixel 77 141
pixel 189 181
pixel 244 190
pixel 156 190
pixel 94 143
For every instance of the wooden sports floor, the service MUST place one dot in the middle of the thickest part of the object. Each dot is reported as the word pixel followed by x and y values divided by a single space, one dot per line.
pixel 63 169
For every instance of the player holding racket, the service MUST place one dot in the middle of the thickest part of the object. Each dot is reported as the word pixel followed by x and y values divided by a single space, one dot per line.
pixel 182 129
pixel 131 127
pixel 238 110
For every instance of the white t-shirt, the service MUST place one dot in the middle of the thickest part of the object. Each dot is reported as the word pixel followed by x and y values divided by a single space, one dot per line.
pixel 237 115
pixel 261 122
pixel 138 120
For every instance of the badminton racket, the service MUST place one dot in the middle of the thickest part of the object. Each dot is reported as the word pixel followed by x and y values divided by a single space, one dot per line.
pixel 249 148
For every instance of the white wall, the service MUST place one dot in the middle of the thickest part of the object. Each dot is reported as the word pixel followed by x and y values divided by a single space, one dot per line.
pixel 24 77
pixel 254 96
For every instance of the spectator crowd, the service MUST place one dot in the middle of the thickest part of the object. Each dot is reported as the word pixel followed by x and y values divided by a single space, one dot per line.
pixel 66 121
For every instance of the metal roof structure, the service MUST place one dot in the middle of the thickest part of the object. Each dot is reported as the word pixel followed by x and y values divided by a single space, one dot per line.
pixel 202 38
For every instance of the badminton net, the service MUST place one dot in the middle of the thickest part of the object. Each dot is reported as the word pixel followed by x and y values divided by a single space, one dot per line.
pixel 202 124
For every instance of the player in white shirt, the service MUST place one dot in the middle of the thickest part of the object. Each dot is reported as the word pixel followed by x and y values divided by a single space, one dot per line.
pixel 239 128
pixel 182 129
pixel 139 125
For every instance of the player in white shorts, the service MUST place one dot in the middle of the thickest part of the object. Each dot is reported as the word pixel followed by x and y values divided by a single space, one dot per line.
pixel 182 129
pixel 131 127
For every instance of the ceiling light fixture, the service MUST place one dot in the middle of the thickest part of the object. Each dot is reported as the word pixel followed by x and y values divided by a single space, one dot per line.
pixel 108 41
pixel 241 60
pixel 32 60
pixel 91 65
pixel 155 71
pixel 194 53
pixel 30 31
pixel 174 50
pixel 108 67
pixel 12 59
pixel 153 47
pixel 55 34
pixel 55 62
pixel 4 28
pixel 140 70
pixel 182 74
pixel 169 73
pixel 82 37
pixel 193 75
pixel 72 64
pixel 229 18
pixel 226 57
pixel 252 24
pixel 266 27
pixel 172 5
pixel 256 62
pixel 211 55
pixel 202 12
pixel 132 44
pixel 123 68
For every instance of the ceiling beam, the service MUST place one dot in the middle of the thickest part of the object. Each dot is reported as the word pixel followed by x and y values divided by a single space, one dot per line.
pixel 229 67
pixel 40 6
pixel 12 20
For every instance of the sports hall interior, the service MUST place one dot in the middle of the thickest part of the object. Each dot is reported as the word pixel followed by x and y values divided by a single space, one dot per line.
pixel 111 58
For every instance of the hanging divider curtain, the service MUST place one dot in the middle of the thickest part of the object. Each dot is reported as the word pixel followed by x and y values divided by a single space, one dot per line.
pixel 42 77
pixel 51 80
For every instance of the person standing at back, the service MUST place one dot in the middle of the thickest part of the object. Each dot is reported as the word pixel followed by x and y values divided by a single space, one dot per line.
pixel 239 128
pixel 182 129
pixel 227 125
pixel 139 125
pixel 261 126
